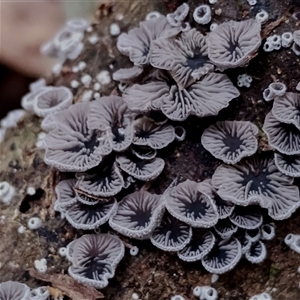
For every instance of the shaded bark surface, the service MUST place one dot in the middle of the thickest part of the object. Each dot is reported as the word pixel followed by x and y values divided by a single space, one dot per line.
pixel 152 274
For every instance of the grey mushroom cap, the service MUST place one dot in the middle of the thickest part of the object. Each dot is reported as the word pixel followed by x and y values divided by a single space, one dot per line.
pixel 148 133
pixel 267 231
pixel 223 257
pixel 200 245
pixel 253 235
pixel 257 252
pixel 138 214
pixel 178 16
pixel 145 170
pixel 296 36
pixel 87 217
pixel 248 217
pixel 111 115
pixel 286 109
pixel 189 205
pixel 137 42
pixel 232 43
pixel 285 138
pixel 186 57
pixel 65 193
pixel 103 181
pixel 12 290
pixel 230 141
pixel 171 234
pixel 224 208
pixel 180 133
pixel 51 101
pixel 245 242
pixel 143 152
pixel 72 147
pixel 95 258
pixel 127 74
pixel 225 229
pixel 257 180
pixel 288 164
pixel 28 99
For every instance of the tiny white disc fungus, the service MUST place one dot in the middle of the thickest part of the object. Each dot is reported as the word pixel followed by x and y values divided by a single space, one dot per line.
pixel 135 296
pixel 74 84
pixel 97 86
pixel 114 29
pixel 197 291
pixel 262 17
pixel 293 241
pixel 287 39
pixel 31 191
pixel 213 1
pixel 214 278
pixel 56 69
pixel 104 77
pixel 152 15
pixel 41 265
pixel 93 39
pixel 86 79
pixel 89 29
pixel 7 192
pixel 81 65
pixel 62 251
pixel 202 14
pixel 75 69
pixel 244 80
pixel 21 229
pixel 87 95
pixel 252 2
pixel 97 95
pixel 213 26
pixel 134 251
pixel 34 223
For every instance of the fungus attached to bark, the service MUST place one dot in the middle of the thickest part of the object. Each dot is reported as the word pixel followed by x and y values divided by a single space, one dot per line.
pixel 27 100
pixel 137 42
pixel 248 217
pixel 65 193
pixel 177 17
pixel 145 170
pixel 286 109
pixel 127 74
pixel 87 217
pixel 233 43
pixel 51 101
pixel 138 214
pixel 223 257
pixel 257 252
pixel 171 234
pixel 189 205
pixel 12 290
pixel 72 147
pixel 257 180
pixel 200 245
pixel 95 258
pixel 202 14
pixel 185 57
pixel 285 138
pixel 225 229
pixel 277 88
pixel 230 141
pixel 104 180
pixel 288 164
pixel 110 114
pixel 147 133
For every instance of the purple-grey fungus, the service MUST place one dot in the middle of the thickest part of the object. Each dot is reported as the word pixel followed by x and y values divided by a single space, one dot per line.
pixel 144 170
pixel 277 88
pixel 52 101
pixel 72 147
pixel 77 24
pixel 95 258
pixel 202 14
pixel 285 138
pixel 137 42
pixel 185 57
pixel 87 200
pixel 189 205
pixel 180 133
pixel 177 17
pixel 65 193
pixel 248 217
pixel 127 74
pixel 253 235
pixel 49 123
pixel 233 43
pixel 267 231
pixel 223 257
pixel 87 217
pixel 147 133
pixel 296 36
pixel 296 49
pixel 128 180
pixel 225 229
pixel 104 180
pixel 224 208
pixel 111 115
pixel 143 152
pixel 171 234
pixel 257 252
pixel 70 250
pixel 286 109
pixel 245 242
pixel 230 141
pixel 12 290
pixel 288 164
pixel 36 85
pixel 138 214
pixel 66 39
pixel 257 180
pixel 200 245
pixel 28 99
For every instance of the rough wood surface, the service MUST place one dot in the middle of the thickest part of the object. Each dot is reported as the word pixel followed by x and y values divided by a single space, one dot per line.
pixel 152 274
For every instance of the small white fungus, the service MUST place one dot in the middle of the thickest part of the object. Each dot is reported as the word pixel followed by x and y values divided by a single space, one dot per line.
pixel 298 86
pixel 97 95
pixel 56 69
pixel 135 296
pixel 34 223
pixel 152 15
pixel 86 79
pixel 41 265
pixel 93 39
pixel 40 293
pixel 213 1
pixel 263 296
pixel 197 291
pixel 287 39
pixel 177 297
pixel 214 278
pixel 7 192
pixel 134 251
pixel 62 251
pixel 213 26
pixel 75 69
pixel 21 229
pixel 74 84
pixel 97 86
pixel 252 2
pixel 104 77
pixel 81 65
pixel 293 241
pixel 87 95
pixel 30 191
pixel 244 80
pixel 262 17
pixel 202 14
pixel 89 29
pixel 114 29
